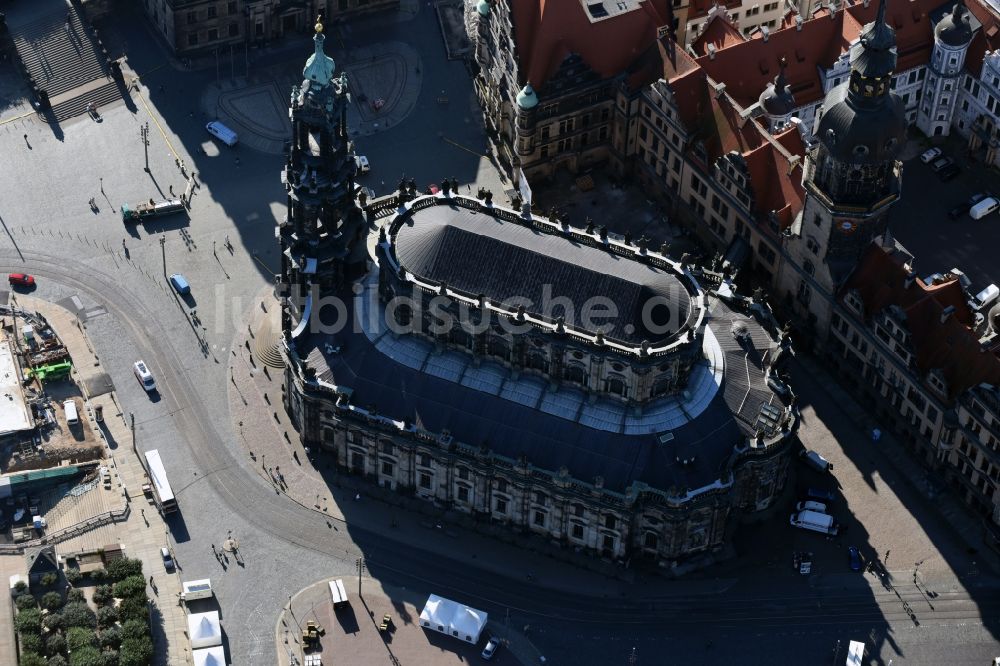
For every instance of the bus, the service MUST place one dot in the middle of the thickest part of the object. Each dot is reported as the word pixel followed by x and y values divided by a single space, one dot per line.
pixel 162 493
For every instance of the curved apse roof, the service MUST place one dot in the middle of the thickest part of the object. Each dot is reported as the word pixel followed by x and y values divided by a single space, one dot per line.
pixel 512 263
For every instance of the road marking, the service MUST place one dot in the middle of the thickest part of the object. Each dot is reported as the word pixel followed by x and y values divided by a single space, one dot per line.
pixel 23 115
pixel 458 145
pixel 156 122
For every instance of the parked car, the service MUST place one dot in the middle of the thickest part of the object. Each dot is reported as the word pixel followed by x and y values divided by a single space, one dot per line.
pixel 491 648
pixel 941 163
pixel 180 284
pixel 816 461
pixel 222 133
pixel 820 495
pixel 362 163
pixel 811 505
pixel 168 562
pixel 21 280
pixel 930 155
pixel 144 376
pixel 964 207
pixel 949 172
pixel 854 558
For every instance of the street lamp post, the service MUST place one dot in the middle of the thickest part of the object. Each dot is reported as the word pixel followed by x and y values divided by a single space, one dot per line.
pixel 361 567
pixel 163 252
pixel 144 135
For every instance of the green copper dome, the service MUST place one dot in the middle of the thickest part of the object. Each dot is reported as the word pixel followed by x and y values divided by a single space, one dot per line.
pixel 527 99
pixel 483 8
pixel 319 68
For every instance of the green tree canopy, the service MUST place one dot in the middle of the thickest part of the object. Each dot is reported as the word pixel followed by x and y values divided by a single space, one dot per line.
pixel 136 652
pixel 78 614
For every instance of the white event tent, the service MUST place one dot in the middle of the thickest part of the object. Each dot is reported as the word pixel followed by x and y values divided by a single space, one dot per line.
pixel 452 618
pixel 204 629
pixel 213 656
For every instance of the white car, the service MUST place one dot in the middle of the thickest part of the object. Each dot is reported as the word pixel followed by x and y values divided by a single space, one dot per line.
pixel 930 155
pixel 362 163
pixel 491 648
pixel 144 376
pixel 168 562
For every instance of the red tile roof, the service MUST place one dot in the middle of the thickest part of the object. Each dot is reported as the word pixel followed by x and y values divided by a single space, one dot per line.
pixel 547 31
pixel 718 32
pixel 776 177
pixel 748 67
pixel 987 38
pixel 952 346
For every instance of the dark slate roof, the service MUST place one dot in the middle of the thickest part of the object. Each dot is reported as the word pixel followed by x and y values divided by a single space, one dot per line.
pixel 858 133
pixel 955 29
pixel 42 561
pixel 550 442
pixel 479 254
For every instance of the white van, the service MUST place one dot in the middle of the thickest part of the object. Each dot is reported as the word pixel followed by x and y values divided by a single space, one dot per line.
pixel 222 133
pixel 72 418
pixel 984 208
pixel 984 298
pixel 817 522
pixel 196 589
pixel 816 461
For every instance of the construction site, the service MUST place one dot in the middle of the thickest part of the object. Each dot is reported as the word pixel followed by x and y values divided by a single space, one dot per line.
pixel 47 439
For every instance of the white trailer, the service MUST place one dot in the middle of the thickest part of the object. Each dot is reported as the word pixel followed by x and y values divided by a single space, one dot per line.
pixel 196 589
pixel 338 595
pixel 815 521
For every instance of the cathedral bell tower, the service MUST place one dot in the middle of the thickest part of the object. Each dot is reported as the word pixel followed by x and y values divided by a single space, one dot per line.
pixel 852 176
pixel 322 235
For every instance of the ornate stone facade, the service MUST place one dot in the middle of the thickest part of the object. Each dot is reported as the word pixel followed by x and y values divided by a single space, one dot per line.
pixel 647 435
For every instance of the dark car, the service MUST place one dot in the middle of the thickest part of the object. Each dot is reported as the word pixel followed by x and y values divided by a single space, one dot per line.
pixel 854 558
pixel 963 208
pixel 942 163
pixel 21 280
pixel 820 495
pixel 949 172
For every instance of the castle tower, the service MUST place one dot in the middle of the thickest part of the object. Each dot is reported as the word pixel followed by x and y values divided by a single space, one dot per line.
pixel 777 101
pixel 852 177
pixel 952 37
pixel 322 235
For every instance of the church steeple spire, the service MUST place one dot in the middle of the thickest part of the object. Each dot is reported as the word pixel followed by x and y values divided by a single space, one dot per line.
pixel 319 68
pixel 873 57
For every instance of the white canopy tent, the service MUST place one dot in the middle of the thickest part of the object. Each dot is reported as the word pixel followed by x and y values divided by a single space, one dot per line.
pixel 452 618
pixel 212 656
pixel 204 629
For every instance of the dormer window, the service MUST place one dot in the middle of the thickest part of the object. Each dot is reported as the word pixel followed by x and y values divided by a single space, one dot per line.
pixel 854 301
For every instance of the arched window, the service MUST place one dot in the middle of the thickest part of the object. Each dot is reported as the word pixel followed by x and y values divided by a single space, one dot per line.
pixel 537 361
pixel 575 373
pixel 616 385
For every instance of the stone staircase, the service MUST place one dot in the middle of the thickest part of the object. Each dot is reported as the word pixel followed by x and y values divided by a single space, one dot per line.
pixel 68 64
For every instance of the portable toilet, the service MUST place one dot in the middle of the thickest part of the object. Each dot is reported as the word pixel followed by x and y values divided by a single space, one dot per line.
pixel 28 331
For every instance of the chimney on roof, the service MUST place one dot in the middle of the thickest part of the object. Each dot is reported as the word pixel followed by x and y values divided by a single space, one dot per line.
pixel 711 51
pixel 793 162
pixel 866 3
pixel 765 32
pixel 832 8
pixel 910 279
pixel 798 23
pixel 720 89
pixel 947 312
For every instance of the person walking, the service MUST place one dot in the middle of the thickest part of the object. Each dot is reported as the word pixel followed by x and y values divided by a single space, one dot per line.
pixel 123 242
